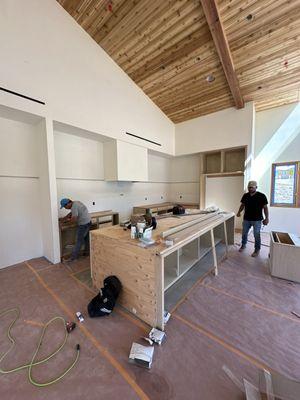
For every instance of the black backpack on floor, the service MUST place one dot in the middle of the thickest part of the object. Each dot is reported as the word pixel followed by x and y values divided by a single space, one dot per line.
pixel 104 302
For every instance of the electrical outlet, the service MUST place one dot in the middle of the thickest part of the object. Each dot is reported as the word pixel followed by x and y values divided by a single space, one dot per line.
pixel 161 197
pixel 133 310
pixel 94 203
pixel 146 198
pixel 180 197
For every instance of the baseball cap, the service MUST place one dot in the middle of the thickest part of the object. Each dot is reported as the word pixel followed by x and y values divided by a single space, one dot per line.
pixel 252 184
pixel 64 202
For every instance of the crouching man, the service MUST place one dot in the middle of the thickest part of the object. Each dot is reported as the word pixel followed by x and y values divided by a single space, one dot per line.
pixel 79 214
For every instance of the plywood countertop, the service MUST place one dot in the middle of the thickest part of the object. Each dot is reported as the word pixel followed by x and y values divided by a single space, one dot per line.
pixel 118 233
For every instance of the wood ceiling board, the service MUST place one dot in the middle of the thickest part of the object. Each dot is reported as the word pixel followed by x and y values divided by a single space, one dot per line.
pixel 204 108
pixel 198 88
pixel 132 21
pixel 166 28
pixel 186 80
pixel 193 102
pixel 155 43
pixel 275 63
pixel 264 15
pixel 162 49
pixel 106 21
pixel 182 68
pixel 263 29
pixel 158 44
pixel 187 51
pixel 293 96
pixel 265 48
pixel 283 82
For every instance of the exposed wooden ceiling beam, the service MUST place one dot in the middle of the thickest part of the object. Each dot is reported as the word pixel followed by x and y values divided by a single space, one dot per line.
pixel 217 31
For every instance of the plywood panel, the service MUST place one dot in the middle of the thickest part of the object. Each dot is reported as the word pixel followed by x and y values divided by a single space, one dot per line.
pixel 234 160
pixel 135 268
pixel 213 162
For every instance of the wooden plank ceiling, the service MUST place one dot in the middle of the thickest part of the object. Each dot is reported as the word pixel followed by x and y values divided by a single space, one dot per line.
pixel 167 48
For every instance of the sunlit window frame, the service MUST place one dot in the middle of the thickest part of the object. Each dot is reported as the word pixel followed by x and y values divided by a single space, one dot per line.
pixel 296 203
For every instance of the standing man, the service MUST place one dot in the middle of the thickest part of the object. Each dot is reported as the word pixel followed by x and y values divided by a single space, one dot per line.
pixel 255 204
pixel 79 214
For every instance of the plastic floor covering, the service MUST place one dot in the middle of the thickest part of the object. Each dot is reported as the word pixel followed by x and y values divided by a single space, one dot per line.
pixel 241 319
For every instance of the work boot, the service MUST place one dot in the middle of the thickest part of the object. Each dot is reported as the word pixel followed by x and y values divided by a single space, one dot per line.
pixel 242 248
pixel 255 253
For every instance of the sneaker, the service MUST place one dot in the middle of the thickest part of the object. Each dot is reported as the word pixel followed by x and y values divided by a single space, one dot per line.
pixel 67 260
pixel 242 248
pixel 255 253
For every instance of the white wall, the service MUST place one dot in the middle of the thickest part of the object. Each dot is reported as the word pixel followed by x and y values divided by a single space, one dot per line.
pixel 225 193
pixel 185 175
pixel 277 139
pixel 220 130
pixel 48 193
pixel 82 177
pixel 46 55
pixel 20 211
pixel 78 157
pixel 169 177
pixel 159 168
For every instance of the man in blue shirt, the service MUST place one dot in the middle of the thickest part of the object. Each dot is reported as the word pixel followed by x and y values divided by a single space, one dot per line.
pixel 80 215
pixel 255 204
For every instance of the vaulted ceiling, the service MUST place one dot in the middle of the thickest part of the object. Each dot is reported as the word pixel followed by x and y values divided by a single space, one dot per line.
pixel 195 57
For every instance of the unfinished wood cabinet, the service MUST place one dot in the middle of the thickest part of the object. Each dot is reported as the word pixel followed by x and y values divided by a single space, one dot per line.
pixel 224 161
pixel 213 162
pixel 146 273
pixel 221 163
pixel 99 219
pixel 161 208
pixel 234 160
pixel 285 255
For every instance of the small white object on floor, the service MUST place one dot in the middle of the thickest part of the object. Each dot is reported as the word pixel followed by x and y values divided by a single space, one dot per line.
pixel 141 355
pixel 79 316
pixel 157 336
pixel 148 340
pixel 167 316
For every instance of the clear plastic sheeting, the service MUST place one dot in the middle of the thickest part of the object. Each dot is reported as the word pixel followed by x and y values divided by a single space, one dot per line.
pixel 278 386
pixel 272 386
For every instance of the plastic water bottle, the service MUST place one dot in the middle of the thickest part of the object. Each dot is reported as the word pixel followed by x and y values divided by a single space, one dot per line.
pixel 133 232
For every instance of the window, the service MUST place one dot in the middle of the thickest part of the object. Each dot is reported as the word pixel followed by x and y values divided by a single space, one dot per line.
pixel 285 180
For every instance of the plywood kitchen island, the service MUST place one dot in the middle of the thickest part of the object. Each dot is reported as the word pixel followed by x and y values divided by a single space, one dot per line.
pixel 146 273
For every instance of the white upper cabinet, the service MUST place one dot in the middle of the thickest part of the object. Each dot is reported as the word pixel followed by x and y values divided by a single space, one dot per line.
pixel 125 161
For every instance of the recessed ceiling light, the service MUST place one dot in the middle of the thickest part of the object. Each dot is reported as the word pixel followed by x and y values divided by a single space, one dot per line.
pixel 210 78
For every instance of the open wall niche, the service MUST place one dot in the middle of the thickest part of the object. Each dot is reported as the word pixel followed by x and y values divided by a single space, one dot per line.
pixel 224 161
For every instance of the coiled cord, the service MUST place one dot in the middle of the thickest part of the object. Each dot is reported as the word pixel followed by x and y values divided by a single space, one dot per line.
pixel 44 360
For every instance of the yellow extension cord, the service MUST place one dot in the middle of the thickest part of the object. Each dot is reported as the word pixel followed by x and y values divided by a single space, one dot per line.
pixel 33 362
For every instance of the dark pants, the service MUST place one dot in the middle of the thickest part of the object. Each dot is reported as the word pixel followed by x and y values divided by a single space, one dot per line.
pixel 83 237
pixel 256 232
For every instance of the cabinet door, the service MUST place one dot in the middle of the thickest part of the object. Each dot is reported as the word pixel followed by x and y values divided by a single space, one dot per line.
pixel 132 162
pixel 125 162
